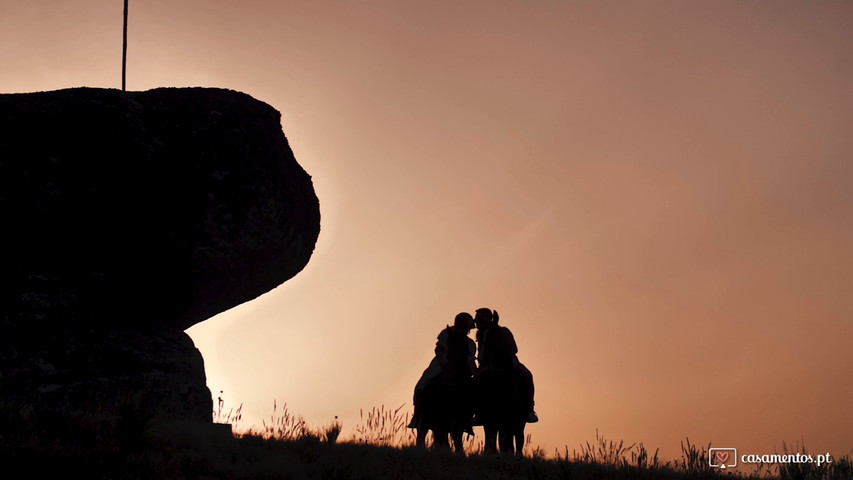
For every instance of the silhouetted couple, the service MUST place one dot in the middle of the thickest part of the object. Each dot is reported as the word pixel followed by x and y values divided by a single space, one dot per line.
pixel 454 361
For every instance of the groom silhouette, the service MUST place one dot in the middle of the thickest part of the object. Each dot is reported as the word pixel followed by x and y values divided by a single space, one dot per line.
pixel 498 350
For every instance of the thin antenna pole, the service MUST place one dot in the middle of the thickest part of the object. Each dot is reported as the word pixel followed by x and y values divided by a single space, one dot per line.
pixel 124 52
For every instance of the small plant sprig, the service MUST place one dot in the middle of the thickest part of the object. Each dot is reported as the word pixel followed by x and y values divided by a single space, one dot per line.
pixel 635 455
pixel 384 427
pixel 332 431
pixel 840 468
pixel 695 459
pixel 604 452
pixel 641 460
pixel 285 426
pixel 229 417
pixel 531 451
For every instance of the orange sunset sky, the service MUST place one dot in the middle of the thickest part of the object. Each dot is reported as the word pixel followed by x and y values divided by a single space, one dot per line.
pixel 656 196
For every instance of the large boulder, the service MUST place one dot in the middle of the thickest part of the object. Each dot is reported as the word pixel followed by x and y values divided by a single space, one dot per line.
pixel 130 216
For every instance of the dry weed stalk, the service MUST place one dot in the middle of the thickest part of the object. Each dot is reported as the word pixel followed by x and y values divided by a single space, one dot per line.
pixel 384 427
pixel 284 426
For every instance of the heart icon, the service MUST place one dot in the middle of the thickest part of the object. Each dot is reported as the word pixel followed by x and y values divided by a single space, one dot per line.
pixel 722 457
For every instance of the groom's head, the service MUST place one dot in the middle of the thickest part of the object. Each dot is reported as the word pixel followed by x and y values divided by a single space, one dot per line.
pixel 485 317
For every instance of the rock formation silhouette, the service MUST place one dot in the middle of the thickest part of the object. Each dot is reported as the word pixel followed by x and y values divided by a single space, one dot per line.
pixel 128 217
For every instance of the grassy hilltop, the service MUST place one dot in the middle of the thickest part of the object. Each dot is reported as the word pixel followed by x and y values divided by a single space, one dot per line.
pixel 45 444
